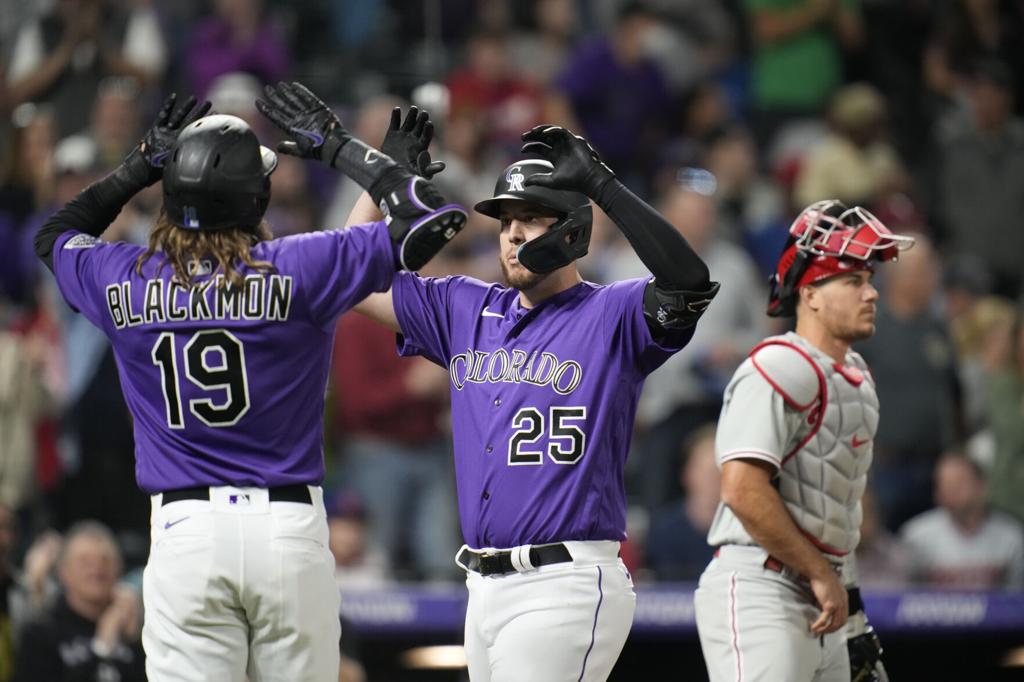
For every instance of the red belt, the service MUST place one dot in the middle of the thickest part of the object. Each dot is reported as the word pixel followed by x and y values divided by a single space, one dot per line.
pixel 773 564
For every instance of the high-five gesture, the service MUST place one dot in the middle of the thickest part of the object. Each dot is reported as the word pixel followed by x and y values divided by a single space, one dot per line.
pixel 577 166
pixel 160 138
pixel 315 130
pixel 406 142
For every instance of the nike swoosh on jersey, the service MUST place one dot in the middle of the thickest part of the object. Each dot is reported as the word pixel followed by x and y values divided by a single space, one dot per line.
pixel 857 442
pixel 168 524
pixel 487 313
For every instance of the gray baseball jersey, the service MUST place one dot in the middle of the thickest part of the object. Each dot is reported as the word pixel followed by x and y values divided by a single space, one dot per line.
pixel 214 398
pixel 543 401
pixel 815 419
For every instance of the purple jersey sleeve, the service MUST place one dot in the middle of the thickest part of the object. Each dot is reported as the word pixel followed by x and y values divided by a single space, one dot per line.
pixel 624 318
pixel 339 267
pixel 83 267
pixel 426 308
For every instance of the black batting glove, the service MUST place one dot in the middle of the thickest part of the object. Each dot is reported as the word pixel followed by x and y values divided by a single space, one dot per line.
pixel 407 142
pixel 144 165
pixel 315 132
pixel 577 166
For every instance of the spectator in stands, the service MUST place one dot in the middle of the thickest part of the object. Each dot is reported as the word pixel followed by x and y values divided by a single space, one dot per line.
pixel 92 632
pixel 397 457
pixel 966 31
pixel 26 187
pixel 677 546
pixel 854 163
pixel 751 209
pixel 359 563
pixel 615 95
pixel 1006 416
pixel 882 560
pixel 489 85
pixel 913 361
pixel 61 56
pixel 539 54
pixel 115 119
pixel 797 60
pixel 961 543
pixel 237 37
pixel 26 176
pixel 24 398
pixel 686 391
pixel 980 185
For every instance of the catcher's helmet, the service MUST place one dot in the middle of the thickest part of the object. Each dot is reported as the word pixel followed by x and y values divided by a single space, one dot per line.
pixel 825 240
pixel 218 176
pixel 568 238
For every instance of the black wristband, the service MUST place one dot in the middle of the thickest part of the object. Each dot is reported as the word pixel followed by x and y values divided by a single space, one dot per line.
pixel 856 603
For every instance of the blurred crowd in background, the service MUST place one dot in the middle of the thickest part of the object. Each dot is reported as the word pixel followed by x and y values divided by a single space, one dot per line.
pixel 728 116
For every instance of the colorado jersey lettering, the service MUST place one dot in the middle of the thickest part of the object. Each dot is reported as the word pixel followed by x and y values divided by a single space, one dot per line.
pixel 539 406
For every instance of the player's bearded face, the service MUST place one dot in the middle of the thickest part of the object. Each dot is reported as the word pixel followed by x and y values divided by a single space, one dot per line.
pixel 848 306
pixel 519 224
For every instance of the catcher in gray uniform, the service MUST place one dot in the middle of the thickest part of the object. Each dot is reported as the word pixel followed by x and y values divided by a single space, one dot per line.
pixel 794 443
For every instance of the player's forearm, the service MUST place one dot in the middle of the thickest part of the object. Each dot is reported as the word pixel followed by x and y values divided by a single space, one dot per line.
pixel 94 209
pixel 668 256
pixel 364 211
pixel 380 308
pixel 761 511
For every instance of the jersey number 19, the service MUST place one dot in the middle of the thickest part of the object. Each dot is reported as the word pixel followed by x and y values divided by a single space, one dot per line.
pixel 226 373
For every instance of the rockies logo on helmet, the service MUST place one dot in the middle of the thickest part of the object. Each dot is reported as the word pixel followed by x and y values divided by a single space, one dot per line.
pixel 514 177
pixel 566 240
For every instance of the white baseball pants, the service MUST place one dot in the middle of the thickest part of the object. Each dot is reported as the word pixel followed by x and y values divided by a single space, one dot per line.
pixel 239 586
pixel 563 622
pixel 754 624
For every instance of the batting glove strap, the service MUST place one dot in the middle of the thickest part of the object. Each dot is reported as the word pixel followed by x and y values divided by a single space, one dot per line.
pixel 417 241
pixel 399 194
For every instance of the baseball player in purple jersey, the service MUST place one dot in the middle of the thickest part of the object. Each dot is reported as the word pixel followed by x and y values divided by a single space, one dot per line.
pixel 794 441
pixel 545 377
pixel 222 339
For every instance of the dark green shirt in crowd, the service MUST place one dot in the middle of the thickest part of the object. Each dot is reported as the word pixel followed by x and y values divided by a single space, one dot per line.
pixel 800 72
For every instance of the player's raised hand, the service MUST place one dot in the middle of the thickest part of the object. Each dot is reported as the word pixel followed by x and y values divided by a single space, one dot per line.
pixel 315 132
pixel 160 138
pixel 407 141
pixel 577 166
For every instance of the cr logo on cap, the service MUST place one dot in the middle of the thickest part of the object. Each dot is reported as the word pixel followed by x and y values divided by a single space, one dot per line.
pixel 515 179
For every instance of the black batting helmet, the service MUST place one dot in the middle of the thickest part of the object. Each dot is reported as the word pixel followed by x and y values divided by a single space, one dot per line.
pixel 218 176
pixel 567 240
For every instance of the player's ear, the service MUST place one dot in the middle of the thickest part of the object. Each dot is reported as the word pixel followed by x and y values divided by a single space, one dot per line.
pixel 810 296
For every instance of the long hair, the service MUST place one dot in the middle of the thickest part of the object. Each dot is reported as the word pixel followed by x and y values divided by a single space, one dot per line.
pixel 230 248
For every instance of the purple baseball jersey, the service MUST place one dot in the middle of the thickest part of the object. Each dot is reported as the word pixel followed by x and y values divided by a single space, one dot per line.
pixel 226 385
pixel 543 401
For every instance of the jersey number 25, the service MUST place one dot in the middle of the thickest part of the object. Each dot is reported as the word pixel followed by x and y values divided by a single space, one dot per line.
pixel 566 440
